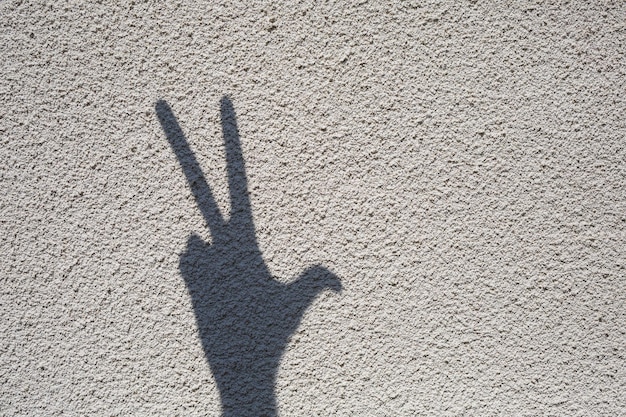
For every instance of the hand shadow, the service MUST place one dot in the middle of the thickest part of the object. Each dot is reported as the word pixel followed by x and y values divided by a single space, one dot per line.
pixel 245 317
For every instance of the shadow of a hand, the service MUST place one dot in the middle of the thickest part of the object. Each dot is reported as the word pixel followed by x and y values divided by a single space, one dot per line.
pixel 245 317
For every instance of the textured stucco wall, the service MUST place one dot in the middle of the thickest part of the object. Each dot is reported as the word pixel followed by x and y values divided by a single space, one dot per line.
pixel 459 166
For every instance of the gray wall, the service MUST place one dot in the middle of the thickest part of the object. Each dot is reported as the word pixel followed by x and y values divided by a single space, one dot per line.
pixel 458 166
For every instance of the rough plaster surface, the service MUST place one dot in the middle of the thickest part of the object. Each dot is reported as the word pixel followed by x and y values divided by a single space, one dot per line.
pixel 459 166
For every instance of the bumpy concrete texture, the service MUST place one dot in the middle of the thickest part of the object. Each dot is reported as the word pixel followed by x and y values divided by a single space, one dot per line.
pixel 451 173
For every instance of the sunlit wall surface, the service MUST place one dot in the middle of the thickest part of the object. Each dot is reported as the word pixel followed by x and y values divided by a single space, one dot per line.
pixel 430 201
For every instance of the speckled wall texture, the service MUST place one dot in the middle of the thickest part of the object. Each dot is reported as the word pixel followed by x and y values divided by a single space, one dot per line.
pixel 313 208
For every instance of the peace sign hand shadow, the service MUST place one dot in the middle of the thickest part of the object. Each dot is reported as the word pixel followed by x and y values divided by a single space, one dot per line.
pixel 245 317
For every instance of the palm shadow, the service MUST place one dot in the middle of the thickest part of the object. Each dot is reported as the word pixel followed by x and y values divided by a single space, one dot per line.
pixel 245 317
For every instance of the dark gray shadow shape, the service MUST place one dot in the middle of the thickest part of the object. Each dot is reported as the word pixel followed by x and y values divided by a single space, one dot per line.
pixel 245 317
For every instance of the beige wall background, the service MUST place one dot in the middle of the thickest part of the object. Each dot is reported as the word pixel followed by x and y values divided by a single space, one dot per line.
pixel 458 165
